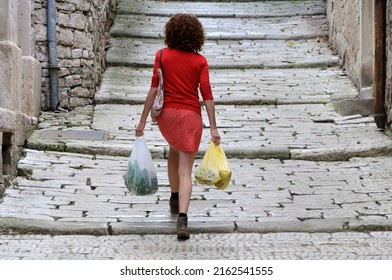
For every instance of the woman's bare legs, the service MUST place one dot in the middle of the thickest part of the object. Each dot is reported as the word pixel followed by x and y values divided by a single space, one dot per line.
pixel 185 165
pixel 180 166
pixel 185 179
pixel 172 169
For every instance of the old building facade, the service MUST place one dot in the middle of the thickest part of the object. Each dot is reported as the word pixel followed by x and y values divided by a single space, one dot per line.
pixel 52 56
pixel 20 82
pixel 361 33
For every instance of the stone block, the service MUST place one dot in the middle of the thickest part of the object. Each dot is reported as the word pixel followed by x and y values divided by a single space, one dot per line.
pixel 68 7
pixel 82 40
pixel 7 120
pixel 27 225
pixel 81 5
pixel 349 107
pixel 25 27
pixel 63 19
pixel 10 75
pixel 9 21
pixel 31 87
pixel 64 52
pixel 78 21
pixel 81 92
pixel 40 33
pixel 66 37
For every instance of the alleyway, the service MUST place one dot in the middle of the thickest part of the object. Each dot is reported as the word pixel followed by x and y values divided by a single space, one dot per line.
pixel 299 166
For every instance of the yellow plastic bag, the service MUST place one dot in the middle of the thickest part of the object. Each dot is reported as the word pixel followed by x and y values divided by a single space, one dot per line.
pixel 207 173
pixel 214 168
pixel 224 169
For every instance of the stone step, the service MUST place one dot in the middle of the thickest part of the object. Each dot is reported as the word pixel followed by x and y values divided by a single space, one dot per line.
pixel 219 9
pixel 123 85
pixel 76 193
pixel 277 28
pixel 228 54
pixel 299 131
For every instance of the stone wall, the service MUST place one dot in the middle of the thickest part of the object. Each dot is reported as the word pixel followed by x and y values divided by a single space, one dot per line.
pixel 20 82
pixel 82 33
pixel 389 64
pixel 344 19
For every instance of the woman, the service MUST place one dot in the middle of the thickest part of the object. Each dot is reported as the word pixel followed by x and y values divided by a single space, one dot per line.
pixel 185 73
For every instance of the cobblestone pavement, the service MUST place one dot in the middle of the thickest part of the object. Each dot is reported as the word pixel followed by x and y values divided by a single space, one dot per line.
pixel 76 193
pixel 311 175
pixel 271 246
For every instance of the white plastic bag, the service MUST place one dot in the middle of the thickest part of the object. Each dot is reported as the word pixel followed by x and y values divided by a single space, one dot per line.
pixel 141 177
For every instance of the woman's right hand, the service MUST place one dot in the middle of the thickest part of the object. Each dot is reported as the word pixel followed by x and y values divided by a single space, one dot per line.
pixel 139 131
pixel 215 136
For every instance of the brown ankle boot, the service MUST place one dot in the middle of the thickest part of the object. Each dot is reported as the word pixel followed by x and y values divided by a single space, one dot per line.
pixel 173 206
pixel 182 228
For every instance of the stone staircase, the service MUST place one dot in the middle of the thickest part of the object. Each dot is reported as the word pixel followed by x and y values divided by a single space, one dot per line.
pixel 275 79
pixel 298 165
pixel 272 69
pixel 252 50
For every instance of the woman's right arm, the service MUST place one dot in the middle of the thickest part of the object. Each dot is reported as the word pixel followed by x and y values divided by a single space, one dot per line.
pixel 146 110
pixel 150 98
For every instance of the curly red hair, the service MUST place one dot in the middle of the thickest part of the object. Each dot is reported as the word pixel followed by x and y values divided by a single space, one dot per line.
pixel 184 32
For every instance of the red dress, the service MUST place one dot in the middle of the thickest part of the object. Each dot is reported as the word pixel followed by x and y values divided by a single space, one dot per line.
pixel 185 74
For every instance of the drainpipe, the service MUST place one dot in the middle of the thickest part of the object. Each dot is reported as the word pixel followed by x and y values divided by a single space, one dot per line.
pixel 380 62
pixel 53 67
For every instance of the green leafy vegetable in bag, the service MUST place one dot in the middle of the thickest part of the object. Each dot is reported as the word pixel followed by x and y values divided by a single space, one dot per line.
pixel 140 177
pixel 140 181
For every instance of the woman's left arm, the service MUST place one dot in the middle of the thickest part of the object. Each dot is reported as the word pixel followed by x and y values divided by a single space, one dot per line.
pixel 210 107
pixel 206 92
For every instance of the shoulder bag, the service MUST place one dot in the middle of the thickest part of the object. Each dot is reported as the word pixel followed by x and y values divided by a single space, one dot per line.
pixel 156 108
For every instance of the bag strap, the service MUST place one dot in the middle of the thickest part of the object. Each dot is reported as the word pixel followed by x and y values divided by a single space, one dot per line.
pixel 160 60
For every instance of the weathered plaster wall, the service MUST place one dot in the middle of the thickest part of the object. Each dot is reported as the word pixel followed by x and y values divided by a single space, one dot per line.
pixel 344 18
